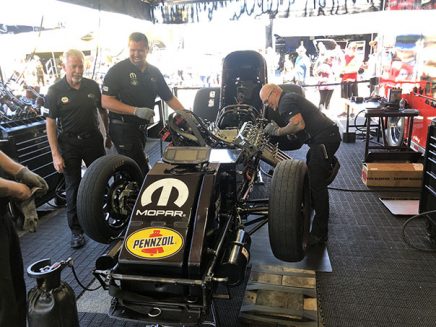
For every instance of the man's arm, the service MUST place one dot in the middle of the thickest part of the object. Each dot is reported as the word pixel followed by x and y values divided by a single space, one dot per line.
pixel 14 190
pixel 8 165
pixel 295 124
pixel 105 118
pixel 58 161
pixel 10 188
pixel 175 104
pixel 113 104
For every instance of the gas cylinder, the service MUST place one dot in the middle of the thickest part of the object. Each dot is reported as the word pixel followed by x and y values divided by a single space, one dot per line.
pixel 52 303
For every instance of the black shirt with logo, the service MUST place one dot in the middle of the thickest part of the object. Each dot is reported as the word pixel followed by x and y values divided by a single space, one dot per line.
pixel 318 127
pixel 128 84
pixel 76 110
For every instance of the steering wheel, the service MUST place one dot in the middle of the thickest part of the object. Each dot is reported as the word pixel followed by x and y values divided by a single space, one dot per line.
pixel 189 129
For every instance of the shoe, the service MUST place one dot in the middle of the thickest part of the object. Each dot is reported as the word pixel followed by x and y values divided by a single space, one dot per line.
pixel 342 114
pixel 315 240
pixel 77 241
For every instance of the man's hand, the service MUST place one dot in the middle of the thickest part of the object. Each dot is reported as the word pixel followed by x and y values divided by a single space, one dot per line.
pixel 31 179
pixel 144 113
pixel 58 163
pixel 272 129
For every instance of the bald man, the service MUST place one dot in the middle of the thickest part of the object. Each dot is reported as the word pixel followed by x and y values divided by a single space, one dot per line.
pixel 291 115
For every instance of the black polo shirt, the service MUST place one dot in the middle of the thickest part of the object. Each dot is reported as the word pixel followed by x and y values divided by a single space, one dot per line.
pixel 128 84
pixel 76 110
pixel 318 126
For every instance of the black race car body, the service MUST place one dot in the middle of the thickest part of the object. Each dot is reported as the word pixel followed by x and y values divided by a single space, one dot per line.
pixel 185 228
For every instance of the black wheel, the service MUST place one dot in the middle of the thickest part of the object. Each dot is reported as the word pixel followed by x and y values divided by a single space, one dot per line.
pixel 106 196
pixel 395 131
pixel 289 207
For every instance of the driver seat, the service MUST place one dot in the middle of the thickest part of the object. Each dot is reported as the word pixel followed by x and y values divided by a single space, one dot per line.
pixel 206 103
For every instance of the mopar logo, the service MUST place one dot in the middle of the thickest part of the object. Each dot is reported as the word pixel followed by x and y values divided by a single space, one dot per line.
pixel 167 185
pixel 153 213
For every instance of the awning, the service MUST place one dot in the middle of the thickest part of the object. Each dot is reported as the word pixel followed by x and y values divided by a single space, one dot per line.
pixel 386 22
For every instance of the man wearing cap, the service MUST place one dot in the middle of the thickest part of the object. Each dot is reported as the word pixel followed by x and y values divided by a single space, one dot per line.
pixel 300 117
pixel 129 92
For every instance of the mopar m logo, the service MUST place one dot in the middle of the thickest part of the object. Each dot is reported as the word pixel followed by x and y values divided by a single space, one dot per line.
pixel 167 185
pixel 153 212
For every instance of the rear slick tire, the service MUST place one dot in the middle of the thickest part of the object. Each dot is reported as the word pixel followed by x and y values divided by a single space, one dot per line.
pixel 289 207
pixel 106 195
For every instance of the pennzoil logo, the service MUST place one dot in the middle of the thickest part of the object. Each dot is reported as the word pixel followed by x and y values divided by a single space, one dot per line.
pixel 154 243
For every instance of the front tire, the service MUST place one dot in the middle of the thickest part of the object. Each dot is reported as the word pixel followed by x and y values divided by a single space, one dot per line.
pixel 106 196
pixel 289 207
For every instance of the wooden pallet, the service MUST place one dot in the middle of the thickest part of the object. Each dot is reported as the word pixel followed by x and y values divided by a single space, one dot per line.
pixel 280 296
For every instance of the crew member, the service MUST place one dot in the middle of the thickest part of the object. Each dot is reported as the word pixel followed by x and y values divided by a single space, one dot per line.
pixel 129 92
pixel 73 102
pixel 302 66
pixel 350 70
pixel 12 286
pixel 298 116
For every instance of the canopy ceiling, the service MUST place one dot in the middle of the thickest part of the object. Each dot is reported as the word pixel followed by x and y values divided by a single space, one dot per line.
pixel 194 11
pixel 135 8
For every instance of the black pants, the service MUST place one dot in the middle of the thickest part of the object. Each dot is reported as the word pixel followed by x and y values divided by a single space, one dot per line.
pixel 75 150
pixel 325 97
pixel 319 169
pixel 12 286
pixel 129 141
pixel 349 89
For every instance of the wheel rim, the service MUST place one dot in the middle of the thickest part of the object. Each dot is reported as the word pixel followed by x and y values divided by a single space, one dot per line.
pixel 396 130
pixel 119 199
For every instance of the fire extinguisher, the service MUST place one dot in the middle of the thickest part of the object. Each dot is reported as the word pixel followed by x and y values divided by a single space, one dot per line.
pixel 52 303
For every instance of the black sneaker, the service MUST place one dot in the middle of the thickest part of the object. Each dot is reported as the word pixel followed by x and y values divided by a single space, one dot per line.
pixel 77 241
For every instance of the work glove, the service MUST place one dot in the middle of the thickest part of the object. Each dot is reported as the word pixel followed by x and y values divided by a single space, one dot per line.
pixel 272 129
pixel 31 179
pixel 28 209
pixel 144 113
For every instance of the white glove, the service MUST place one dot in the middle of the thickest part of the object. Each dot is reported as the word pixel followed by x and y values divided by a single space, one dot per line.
pixel 272 129
pixel 144 113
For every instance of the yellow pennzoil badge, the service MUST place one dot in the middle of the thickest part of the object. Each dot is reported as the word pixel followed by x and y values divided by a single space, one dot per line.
pixel 154 243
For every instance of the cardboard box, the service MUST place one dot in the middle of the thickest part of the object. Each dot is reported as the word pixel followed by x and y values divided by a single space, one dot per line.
pixel 392 174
